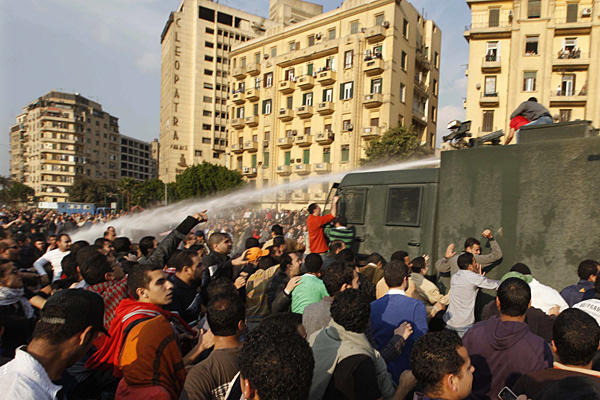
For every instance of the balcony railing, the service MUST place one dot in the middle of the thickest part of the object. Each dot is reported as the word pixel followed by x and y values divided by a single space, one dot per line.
pixel 325 108
pixel 491 63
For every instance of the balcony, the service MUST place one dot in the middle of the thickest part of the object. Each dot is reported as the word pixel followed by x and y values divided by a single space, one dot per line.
pixel 489 99
pixel 285 142
pixel 253 69
pixel 422 60
pixel 304 111
pixel 306 82
pixel 325 108
pixel 283 196
pixel 303 140
pixel 239 72
pixel 319 196
pixel 237 123
pixel 373 100
pixel 373 66
pixel 219 147
pixel 421 85
pixel 302 169
pixel 481 29
pixel 491 63
pixel 322 168
pixel 251 121
pixel 237 148
pixel 375 33
pixel 238 98
pixel 568 98
pixel 287 87
pixel 249 172
pixel 285 114
pixel 326 77
pixel 573 60
pixel 251 146
pixel 301 197
pixel 253 94
pixel 369 132
pixel 284 170
pixel 325 137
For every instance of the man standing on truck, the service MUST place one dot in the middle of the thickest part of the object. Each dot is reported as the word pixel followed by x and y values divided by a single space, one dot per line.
pixel 533 111
pixel 448 265
pixel 315 223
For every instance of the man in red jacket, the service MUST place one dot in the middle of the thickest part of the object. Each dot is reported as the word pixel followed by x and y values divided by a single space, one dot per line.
pixel 315 223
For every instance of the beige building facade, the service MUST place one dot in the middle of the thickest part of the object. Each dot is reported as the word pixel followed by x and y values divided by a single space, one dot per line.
pixel 548 49
pixel 307 98
pixel 61 135
pixel 196 42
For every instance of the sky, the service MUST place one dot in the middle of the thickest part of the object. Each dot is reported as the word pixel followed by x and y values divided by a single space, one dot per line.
pixel 109 51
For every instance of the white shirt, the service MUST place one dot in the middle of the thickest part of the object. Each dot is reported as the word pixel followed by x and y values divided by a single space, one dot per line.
pixel 544 297
pixel 25 378
pixel 54 257
pixel 464 285
pixel 396 291
pixel 591 306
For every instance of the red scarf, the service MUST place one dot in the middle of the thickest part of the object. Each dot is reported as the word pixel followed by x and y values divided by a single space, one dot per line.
pixel 128 311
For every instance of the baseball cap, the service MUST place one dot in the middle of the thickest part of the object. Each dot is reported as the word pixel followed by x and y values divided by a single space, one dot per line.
pixel 255 253
pixel 78 308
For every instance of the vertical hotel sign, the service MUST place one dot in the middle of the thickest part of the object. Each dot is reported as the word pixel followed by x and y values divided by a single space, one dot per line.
pixel 176 84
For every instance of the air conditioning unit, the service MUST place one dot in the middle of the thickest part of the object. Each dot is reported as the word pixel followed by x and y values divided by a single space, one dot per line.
pixel 318 36
pixel 246 170
pixel 586 12
pixel 350 127
pixel 265 144
pixel 265 56
pixel 294 132
pixel 510 13
pixel 363 30
pixel 386 24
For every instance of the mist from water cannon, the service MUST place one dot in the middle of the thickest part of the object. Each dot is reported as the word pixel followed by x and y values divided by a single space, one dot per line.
pixel 161 219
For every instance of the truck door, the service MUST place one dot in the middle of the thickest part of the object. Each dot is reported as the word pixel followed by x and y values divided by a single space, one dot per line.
pixel 402 217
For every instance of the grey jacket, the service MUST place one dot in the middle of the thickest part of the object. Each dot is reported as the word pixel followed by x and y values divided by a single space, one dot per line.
pixel 531 110
pixel 169 245
pixel 444 265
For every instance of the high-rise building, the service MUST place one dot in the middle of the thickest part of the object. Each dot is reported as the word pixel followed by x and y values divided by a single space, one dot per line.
pixel 61 135
pixel 196 42
pixel 137 160
pixel 532 48
pixel 307 98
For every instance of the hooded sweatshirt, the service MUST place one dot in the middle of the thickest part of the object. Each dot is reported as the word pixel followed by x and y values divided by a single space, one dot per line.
pixel 501 352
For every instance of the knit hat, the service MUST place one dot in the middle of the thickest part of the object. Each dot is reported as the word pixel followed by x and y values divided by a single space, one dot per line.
pixel 514 274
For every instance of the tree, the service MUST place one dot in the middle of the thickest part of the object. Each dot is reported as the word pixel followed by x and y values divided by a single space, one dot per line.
pixel 148 192
pixel 396 144
pixel 204 179
pixel 89 190
pixel 127 187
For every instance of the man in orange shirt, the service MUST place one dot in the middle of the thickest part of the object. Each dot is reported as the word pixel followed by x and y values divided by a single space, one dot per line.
pixel 315 223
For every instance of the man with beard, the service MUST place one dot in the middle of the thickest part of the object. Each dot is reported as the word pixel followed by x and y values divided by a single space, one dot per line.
pixel 188 277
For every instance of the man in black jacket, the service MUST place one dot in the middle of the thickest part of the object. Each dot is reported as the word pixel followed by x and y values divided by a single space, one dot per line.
pixel 188 276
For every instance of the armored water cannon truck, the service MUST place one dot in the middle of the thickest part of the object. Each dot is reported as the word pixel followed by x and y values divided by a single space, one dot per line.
pixel 540 198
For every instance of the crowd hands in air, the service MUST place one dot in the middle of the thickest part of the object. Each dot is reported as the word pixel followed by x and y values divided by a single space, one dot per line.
pixel 280 306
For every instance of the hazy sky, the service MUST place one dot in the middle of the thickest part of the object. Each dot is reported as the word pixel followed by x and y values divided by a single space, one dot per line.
pixel 109 51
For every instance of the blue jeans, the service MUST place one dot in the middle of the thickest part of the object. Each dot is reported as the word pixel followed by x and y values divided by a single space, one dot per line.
pixel 544 119
pixel 460 330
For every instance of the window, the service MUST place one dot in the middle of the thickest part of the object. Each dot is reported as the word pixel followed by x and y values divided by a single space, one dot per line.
pixel 306 156
pixel 273 51
pixel 307 99
pixel 257 58
pixel 354 204
pixel 376 85
pixel 400 120
pixel 403 60
pixel 493 17
pixel 197 153
pixel 210 31
pixel 405 29
pixel 403 206
pixel 206 127
pixel 436 59
pixel 531 45
pixel 529 78
pixel 257 83
pixel 292 46
pixel 492 52
pixel 433 113
pixel 266 106
pixel 490 86
pixel 374 122
pixel 255 109
pixel 253 161
pixel 327 155
pixel 572 10
pixel 208 58
pixel 207 99
pixel 348 58
pixel 311 40
pixel 331 34
pixel 268 79
pixel 288 75
pixel 287 157
pixel 346 90
pixel 239 112
pixel 403 92
pixel 435 87
pixel 328 94
pixel 379 18
pixel 347 125
pixel 208 72
pixel 307 130
pixel 534 8
pixel 206 14
pixel 345 153
pixel 289 102
pixel 567 85
pixel 266 159
pixel 208 44
pixel 354 27
pixel 488 121
pixel 565 115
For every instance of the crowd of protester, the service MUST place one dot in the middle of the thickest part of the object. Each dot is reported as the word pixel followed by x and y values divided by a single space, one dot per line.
pixel 278 305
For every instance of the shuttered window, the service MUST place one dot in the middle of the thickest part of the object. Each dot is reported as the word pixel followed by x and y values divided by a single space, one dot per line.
pixel 534 9
pixel 488 121
pixel 572 9
pixel 494 17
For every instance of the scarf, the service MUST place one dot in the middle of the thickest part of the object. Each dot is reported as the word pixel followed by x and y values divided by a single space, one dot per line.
pixel 10 296
pixel 127 313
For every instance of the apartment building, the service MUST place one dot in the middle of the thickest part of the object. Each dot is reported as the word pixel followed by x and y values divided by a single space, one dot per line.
pixel 532 48
pixel 61 135
pixel 307 98
pixel 196 42
pixel 137 159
